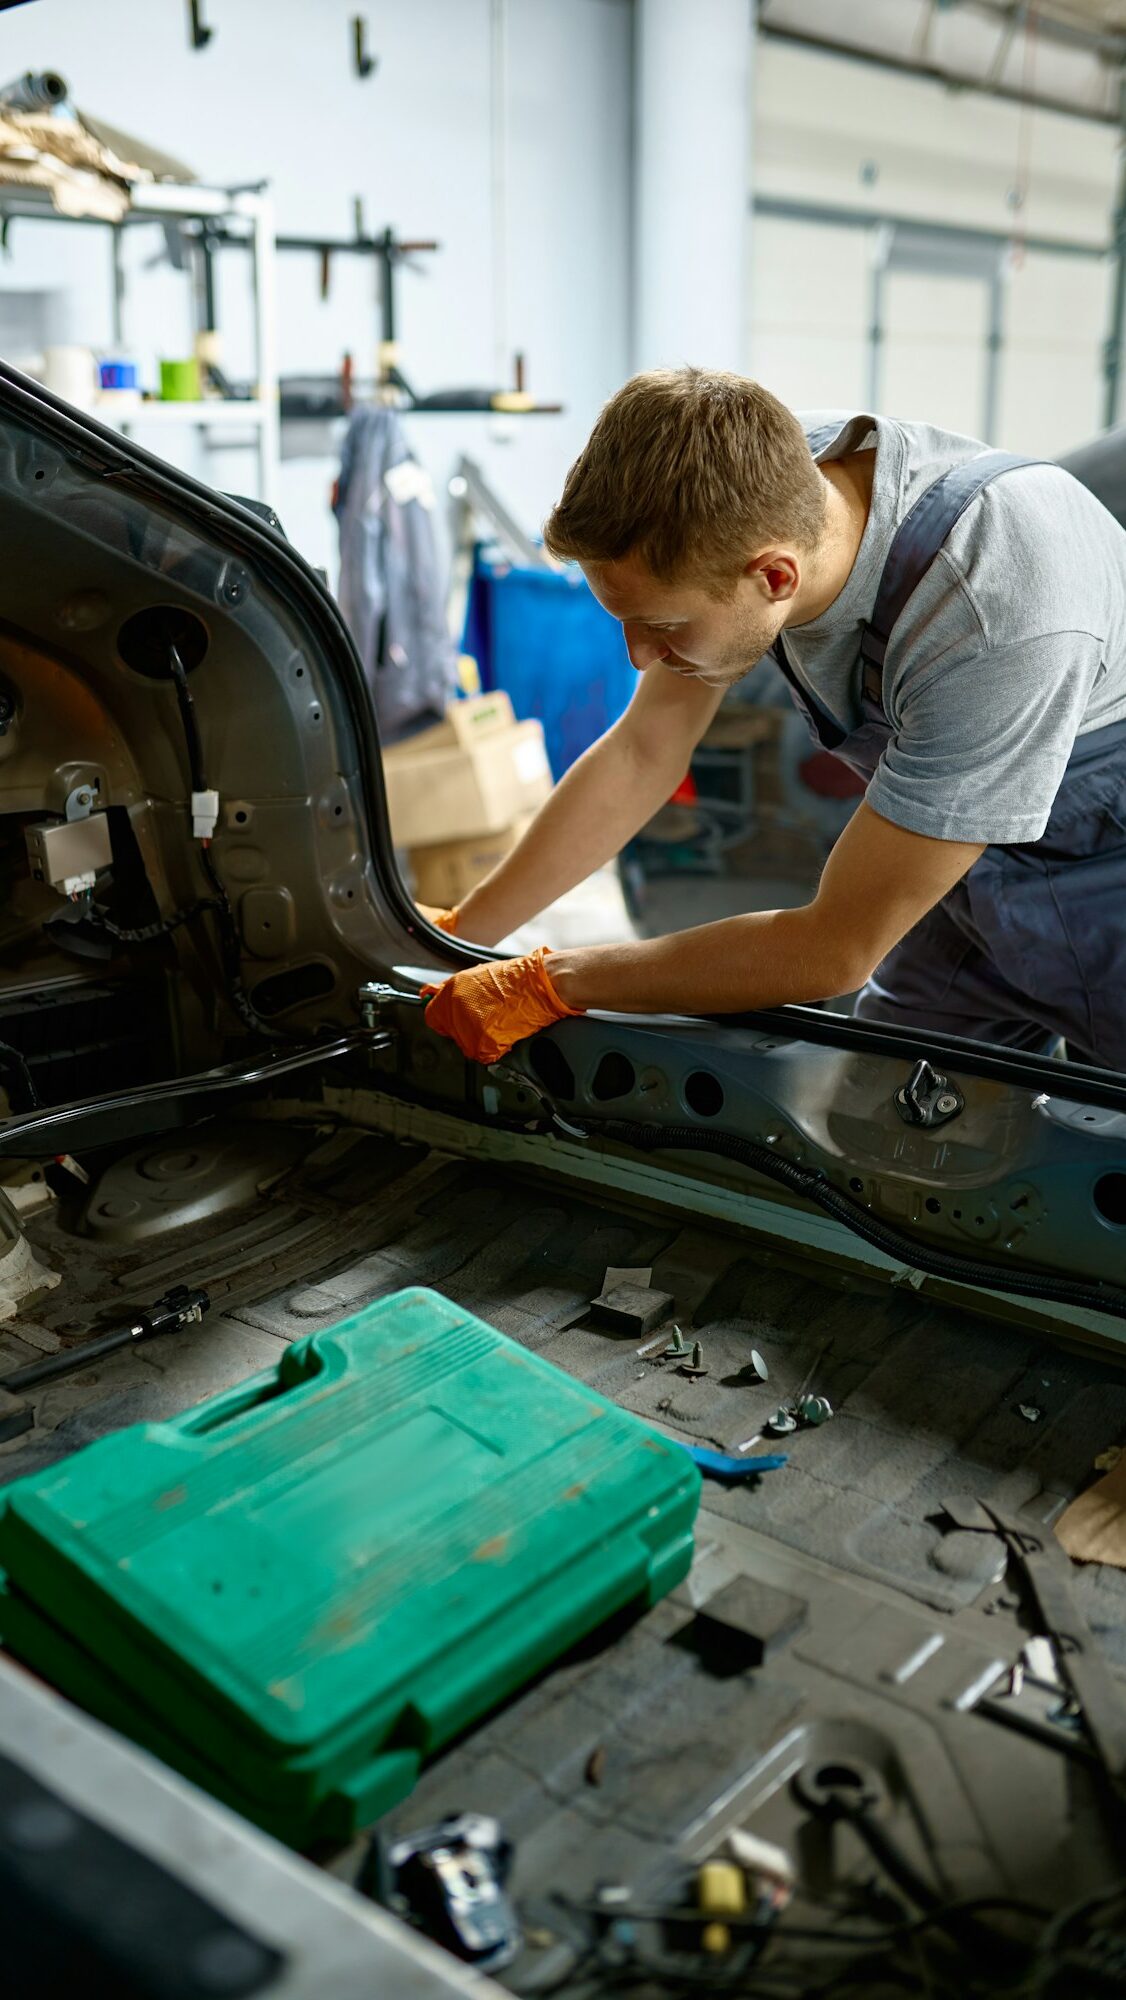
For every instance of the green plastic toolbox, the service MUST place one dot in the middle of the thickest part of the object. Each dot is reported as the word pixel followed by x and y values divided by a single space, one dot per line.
pixel 299 1590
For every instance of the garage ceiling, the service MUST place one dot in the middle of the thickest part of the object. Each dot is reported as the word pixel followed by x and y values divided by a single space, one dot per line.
pixel 1066 54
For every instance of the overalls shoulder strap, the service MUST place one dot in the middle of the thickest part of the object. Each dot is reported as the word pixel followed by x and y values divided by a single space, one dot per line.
pixel 918 539
pixel 921 534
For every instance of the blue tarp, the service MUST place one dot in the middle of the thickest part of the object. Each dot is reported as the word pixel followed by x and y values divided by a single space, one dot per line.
pixel 544 638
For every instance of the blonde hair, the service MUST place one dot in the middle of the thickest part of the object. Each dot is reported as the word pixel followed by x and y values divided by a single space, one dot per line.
pixel 693 470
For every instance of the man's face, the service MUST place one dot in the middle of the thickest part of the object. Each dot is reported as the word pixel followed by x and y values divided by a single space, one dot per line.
pixel 686 630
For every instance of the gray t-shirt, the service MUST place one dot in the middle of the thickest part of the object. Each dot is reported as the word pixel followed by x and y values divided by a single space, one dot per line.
pixel 1012 644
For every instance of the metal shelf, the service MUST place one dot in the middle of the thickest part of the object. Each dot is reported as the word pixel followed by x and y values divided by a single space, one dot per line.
pixel 239 215
pixel 210 413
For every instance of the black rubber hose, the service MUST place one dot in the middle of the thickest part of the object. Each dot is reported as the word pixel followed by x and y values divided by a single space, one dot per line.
pixel 981 1940
pixel 814 1185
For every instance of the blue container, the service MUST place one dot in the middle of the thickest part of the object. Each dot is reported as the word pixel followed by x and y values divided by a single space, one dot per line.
pixel 544 638
pixel 115 374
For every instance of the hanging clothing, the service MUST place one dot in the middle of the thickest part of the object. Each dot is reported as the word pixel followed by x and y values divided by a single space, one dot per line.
pixel 391 591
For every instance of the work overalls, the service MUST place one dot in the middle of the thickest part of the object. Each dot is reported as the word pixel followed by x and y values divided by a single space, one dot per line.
pixel 1031 943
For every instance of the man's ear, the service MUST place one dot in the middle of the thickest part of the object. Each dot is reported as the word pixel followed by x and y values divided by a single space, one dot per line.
pixel 776 573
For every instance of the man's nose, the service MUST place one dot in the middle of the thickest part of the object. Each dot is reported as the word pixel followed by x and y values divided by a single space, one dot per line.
pixel 644 652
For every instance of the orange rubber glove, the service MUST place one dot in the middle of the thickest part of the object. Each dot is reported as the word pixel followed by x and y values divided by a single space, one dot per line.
pixel 442 920
pixel 489 1008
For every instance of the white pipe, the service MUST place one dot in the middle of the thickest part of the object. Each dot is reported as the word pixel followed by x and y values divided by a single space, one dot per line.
pixel 692 191
pixel 498 171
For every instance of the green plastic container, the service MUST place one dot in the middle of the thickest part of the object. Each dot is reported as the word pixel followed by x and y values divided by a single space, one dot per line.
pixel 299 1590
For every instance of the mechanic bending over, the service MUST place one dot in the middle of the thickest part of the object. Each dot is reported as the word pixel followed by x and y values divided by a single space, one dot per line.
pixel 980 887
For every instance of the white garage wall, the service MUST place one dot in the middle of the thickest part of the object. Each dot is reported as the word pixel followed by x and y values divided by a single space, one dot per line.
pixel 274 97
pixel 844 134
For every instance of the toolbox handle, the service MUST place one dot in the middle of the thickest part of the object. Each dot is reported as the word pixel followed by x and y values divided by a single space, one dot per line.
pixel 299 1365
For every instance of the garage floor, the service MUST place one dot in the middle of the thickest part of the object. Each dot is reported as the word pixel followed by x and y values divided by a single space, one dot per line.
pixel 640 1753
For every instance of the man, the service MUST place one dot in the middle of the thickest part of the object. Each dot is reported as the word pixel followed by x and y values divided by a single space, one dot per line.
pixel 979 887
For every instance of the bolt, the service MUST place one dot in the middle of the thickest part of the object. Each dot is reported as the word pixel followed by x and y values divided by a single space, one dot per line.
pixel 947 1102
pixel 815 1409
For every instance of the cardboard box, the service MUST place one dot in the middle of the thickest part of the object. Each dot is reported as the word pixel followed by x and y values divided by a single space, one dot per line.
pixel 465 722
pixel 445 873
pixel 450 789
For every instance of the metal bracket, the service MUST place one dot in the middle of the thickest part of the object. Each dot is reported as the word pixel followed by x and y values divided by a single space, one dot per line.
pixel 81 801
pixel 928 1097
pixel 507 1072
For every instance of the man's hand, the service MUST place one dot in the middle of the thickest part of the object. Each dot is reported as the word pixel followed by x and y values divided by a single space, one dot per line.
pixel 489 1008
pixel 442 920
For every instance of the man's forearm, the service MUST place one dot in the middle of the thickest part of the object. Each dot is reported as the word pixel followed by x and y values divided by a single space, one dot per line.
pixel 761 960
pixel 600 804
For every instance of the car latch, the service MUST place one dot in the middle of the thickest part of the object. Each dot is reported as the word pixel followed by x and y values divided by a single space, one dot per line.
pixel 928 1097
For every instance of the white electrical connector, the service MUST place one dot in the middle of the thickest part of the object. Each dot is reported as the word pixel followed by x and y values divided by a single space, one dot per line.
pixel 205 812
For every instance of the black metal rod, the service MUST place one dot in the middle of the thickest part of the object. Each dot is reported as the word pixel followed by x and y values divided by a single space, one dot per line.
pixel 161 1107
pixel 386 247
pixel 71 1358
pixel 845 215
pixel 929 73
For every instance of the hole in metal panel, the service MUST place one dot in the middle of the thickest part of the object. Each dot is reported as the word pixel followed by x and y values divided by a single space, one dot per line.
pixel 840 1778
pixel 298 984
pixel 703 1093
pixel 552 1068
pixel 1110 1198
pixel 614 1077
pixel 145 639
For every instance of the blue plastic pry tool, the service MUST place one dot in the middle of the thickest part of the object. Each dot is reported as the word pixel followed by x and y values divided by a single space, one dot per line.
pixel 721 1465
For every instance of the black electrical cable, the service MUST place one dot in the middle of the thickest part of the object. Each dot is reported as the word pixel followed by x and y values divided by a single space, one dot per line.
pixel 150 933
pixel 815 1186
pixel 187 717
pixel 938 1918
pixel 981 1940
pixel 1053 1942
pixel 769 1972
pixel 224 915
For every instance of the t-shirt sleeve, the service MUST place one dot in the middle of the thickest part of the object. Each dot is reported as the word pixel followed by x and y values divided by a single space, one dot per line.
pixel 981 742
